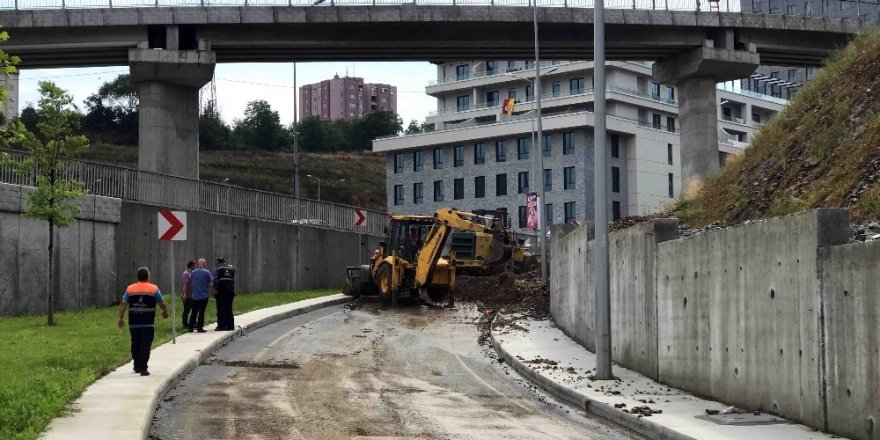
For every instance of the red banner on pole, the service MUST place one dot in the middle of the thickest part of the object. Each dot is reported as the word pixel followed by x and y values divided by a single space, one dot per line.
pixel 532 211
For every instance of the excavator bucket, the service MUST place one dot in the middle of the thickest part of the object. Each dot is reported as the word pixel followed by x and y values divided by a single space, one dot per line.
pixel 500 251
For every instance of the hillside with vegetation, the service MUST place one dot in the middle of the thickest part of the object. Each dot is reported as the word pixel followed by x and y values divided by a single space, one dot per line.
pixel 823 150
pixel 364 173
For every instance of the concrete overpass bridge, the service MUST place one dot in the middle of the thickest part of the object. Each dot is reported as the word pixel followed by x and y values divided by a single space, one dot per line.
pixel 172 51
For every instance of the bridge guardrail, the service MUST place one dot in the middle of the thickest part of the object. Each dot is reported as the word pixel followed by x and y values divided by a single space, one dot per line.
pixel 193 194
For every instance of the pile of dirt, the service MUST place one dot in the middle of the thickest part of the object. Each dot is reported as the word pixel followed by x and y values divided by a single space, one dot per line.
pixel 820 151
pixel 507 293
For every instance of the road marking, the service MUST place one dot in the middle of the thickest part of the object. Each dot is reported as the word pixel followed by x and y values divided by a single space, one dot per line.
pixel 278 339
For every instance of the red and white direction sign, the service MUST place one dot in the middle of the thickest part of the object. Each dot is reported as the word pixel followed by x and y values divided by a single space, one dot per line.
pixel 359 217
pixel 172 225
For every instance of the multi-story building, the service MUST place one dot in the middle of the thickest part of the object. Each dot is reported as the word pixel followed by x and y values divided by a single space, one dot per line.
pixel 478 158
pixel 345 98
pixel 785 81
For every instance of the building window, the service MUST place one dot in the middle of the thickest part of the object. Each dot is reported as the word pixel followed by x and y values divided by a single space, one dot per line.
pixel 530 64
pixel 615 146
pixel 615 179
pixel 615 210
pixel 569 212
pixel 458 189
pixel 522 216
pixel 522 148
pixel 500 151
pixel 491 67
pixel 670 124
pixel 655 121
pixel 576 86
pixel 463 103
pixel 501 184
pixel 438 190
pixel 655 90
pixel 493 98
pixel 556 89
pixel 438 158
pixel 479 187
pixel 568 178
pixel 670 94
pixel 398 163
pixel 669 154
pixel 548 215
pixel 530 93
pixel 418 193
pixel 546 145
pixel 418 164
pixel 462 72
pixel 523 182
pixel 548 180
pixel 792 75
pixel 671 192
pixel 479 154
pixel 809 73
pixel 457 156
pixel 511 93
pixel 398 195
pixel 568 142
pixel 511 66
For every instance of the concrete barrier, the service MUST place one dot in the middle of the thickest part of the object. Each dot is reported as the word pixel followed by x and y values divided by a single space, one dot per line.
pixel 779 315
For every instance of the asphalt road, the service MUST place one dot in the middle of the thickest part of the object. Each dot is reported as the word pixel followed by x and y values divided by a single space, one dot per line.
pixel 373 373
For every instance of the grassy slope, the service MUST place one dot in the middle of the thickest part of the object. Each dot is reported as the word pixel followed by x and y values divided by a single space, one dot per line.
pixel 46 368
pixel 823 150
pixel 364 173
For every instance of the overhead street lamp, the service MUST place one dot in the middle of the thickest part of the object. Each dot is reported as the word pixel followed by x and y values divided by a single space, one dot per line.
pixel 319 180
pixel 538 157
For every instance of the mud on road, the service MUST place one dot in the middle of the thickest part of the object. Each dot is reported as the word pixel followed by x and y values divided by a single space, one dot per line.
pixel 372 373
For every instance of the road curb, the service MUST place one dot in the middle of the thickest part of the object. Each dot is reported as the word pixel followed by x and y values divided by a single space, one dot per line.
pixel 209 350
pixel 641 426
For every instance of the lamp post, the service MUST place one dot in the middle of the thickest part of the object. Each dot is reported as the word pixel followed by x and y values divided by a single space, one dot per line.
pixel 319 180
pixel 538 157
pixel 295 138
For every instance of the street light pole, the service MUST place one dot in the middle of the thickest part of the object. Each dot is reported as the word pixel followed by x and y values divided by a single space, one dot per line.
pixel 539 176
pixel 602 299
pixel 295 137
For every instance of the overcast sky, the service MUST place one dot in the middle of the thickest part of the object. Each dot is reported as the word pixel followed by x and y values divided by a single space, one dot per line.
pixel 237 84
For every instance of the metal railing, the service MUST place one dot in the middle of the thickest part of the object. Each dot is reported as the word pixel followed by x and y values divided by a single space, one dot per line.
pixel 193 194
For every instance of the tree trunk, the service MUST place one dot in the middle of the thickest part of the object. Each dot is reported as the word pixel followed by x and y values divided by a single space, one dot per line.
pixel 50 301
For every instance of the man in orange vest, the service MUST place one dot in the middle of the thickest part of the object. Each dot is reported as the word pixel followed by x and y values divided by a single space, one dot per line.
pixel 141 299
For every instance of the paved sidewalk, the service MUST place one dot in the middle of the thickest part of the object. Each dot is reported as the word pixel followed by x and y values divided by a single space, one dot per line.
pixel 548 358
pixel 120 405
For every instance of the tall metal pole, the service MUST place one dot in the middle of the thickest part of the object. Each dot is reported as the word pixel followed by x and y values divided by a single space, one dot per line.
pixel 539 176
pixel 295 137
pixel 602 304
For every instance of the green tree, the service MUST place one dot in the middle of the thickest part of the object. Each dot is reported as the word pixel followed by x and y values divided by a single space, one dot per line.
pixel 50 150
pixel 413 128
pixel 113 112
pixel 213 132
pixel 261 127
pixel 374 125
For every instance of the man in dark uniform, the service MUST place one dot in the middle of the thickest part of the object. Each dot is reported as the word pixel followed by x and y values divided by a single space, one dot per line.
pixel 185 291
pixel 141 299
pixel 224 285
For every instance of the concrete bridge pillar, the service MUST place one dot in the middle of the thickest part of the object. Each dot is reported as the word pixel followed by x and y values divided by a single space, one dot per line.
pixel 168 83
pixel 696 73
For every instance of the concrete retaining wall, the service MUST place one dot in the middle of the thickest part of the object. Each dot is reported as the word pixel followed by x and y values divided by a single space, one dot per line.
pixel 84 255
pixel 269 256
pixel 98 255
pixel 778 315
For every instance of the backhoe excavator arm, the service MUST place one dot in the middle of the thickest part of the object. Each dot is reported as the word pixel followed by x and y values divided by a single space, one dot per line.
pixel 446 220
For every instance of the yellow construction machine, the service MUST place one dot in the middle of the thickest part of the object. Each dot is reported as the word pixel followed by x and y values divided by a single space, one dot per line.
pixel 411 260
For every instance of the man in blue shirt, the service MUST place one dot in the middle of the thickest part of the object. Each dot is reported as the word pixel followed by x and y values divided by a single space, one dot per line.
pixel 141 299
pixel 200 283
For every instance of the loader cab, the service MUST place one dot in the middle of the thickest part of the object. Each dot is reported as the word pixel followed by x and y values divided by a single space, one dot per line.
pixel 407 235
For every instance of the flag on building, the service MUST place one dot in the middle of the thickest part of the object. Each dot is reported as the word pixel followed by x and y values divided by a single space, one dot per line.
pixel 532 211
pixel 507 108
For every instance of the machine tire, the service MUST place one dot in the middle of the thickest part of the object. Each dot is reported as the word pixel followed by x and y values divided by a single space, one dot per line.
pixel 348 289
pixel 384 280
pixel 438 293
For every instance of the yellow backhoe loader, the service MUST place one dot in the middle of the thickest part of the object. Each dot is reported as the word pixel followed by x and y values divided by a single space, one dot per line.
pixel 410 262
